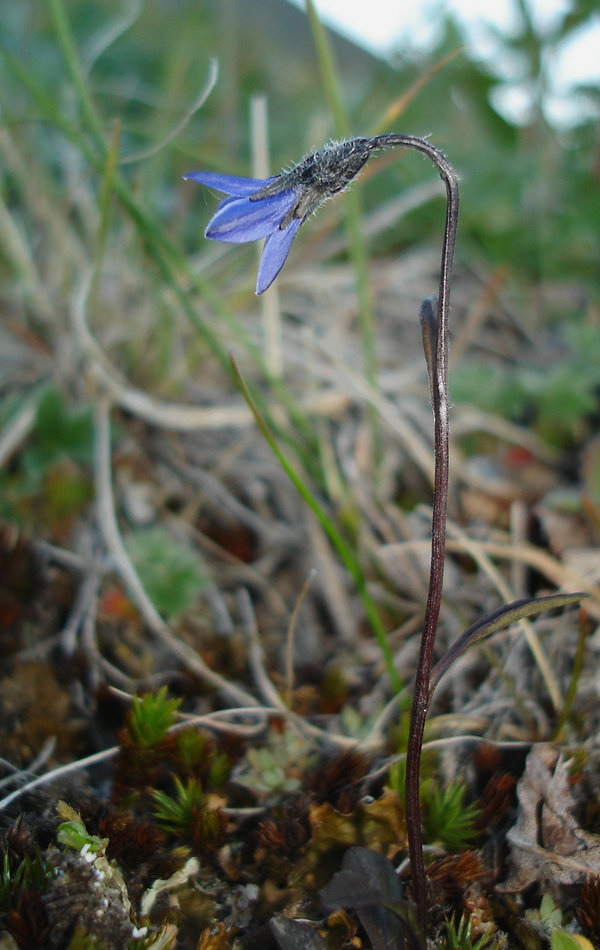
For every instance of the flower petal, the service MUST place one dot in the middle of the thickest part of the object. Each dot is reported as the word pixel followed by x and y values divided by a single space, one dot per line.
pixel 229 184
pixel 239 219
pixel 277 247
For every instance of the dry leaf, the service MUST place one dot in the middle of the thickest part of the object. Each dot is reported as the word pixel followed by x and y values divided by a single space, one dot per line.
pixel 379 825
pixel 547 844
pixel 214 938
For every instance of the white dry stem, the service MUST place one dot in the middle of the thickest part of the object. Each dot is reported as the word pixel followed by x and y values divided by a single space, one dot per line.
pixel 209 85
pixel 36 764
pixel 59 772
pixel 110 32
pixel 15 247
pixel 85 597
pixel 412 442
pixel 331 581
pixel 473 548
pixel 469 419
pixel 109 529
pixel 256 656
pixel 176 417
pixel 15 432
pixel 465 739
pixel 289 643
pixel 173 416
pixel 563 577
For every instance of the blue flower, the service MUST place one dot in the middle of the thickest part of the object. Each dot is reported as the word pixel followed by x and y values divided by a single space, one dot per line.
pixel 245 216
pixel 274 208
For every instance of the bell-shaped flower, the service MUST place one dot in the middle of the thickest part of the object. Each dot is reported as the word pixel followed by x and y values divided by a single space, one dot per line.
pixel 243 216
pixel 274 208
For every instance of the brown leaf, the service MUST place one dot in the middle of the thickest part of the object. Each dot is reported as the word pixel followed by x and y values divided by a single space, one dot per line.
pixel 547 844
pixel 214 938
pixel 379 825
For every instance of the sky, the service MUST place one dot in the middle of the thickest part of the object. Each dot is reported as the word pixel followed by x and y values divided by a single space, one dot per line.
pixel 382 26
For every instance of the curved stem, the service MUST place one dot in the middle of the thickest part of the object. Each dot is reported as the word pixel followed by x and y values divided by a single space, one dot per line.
pixel 439 399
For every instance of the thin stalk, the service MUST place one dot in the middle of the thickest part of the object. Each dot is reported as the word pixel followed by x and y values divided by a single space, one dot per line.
pixel 577 668
pixel 344 550
pixel 352 209
pixel 439 400
pixel 64 36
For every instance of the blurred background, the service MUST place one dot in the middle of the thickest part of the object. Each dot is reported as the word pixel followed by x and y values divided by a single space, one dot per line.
pixel 103 262
pixel 516 106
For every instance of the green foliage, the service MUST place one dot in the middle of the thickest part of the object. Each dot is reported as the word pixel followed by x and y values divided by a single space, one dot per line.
pixel 168 570
pixel 81 940
pixel 30 873
pixel 195 755
pixel 276 767
pixel 192 749
pixel 179 814
pixel 547 919
pixel 459 938
pixel 74 834
pixel 557 398
pixel 47 479
pixel 448 821
pixel 563 940
pixel 60 431
pixel 150 717
pixel 188 814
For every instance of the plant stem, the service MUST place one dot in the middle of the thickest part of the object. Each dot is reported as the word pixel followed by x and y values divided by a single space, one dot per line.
pixel 439 400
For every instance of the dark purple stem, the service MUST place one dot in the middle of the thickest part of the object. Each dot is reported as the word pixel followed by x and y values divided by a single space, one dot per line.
pixel 439 399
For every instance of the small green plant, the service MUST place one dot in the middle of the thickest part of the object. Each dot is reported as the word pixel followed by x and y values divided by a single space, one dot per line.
pixel 169 571
pixel 188 814
pixel 448 820
pixel 82 940
pixel 195 755
pixel 47 481
pixel 563 940
pixel 74 834
pixel 276 767
pixel 30 873
pixel 459 938
pixel 60 431
pixel 149 719
pixel 178 814
pixel 21 898
pixel 547 922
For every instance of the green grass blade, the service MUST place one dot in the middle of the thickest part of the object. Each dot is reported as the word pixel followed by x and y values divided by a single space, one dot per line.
pixel 66 43
pixel 343 549
pixel 498 620
pixel 328 70
pixel 352 207
pixel 574 681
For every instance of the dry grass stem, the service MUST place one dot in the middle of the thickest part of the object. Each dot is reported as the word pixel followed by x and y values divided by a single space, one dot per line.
pixel 110 532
